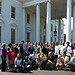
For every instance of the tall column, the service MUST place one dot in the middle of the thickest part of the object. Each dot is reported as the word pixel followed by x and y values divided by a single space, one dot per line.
pixel 68 35
pixel 48 23
pixel 34 28
pixel 73 24
pixel 37 23
pixel 24 24
pixel 59 31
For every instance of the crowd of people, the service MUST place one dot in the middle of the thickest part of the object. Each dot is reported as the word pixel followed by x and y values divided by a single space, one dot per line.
pixel 38 56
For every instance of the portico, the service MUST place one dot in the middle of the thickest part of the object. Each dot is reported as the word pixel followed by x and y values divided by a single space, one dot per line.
pixel 62 8
pixel 38 11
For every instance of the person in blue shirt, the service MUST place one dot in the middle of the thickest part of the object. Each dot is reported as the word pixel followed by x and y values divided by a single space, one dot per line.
pixel 36 47
pixel 26 47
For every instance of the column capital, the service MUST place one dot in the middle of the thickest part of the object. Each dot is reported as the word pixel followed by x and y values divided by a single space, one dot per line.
pixel 49 1
pixel 37 4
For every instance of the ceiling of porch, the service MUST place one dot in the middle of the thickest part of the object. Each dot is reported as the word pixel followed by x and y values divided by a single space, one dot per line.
pixel 58 8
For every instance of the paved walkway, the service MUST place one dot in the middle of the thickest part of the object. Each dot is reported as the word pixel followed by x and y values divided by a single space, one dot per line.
pixel 40 72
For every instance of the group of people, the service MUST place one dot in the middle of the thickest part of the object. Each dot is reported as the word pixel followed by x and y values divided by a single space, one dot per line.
pixel 43 56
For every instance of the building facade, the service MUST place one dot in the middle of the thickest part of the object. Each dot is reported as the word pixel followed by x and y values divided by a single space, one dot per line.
pixel 29 24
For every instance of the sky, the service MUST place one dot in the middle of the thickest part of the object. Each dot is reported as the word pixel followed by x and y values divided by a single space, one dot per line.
pixel 65 22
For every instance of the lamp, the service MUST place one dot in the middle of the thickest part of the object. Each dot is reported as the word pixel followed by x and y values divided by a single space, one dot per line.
pixel 55 32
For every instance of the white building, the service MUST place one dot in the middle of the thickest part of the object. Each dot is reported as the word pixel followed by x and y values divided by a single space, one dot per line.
pixel 26 20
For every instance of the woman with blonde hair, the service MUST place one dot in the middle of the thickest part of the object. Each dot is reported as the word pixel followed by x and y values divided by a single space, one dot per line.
pixel 18 63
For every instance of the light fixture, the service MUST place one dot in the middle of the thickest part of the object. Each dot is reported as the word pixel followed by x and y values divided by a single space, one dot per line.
pixel 55 32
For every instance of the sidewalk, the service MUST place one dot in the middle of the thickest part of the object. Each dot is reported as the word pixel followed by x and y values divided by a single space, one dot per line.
pixel 40 72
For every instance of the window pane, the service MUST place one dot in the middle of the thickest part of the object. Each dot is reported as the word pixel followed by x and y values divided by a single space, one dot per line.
pixel 13 12
pixel 0 34
pixel 44 39
pixel 51 39
pixel 12 35
pixel 61 31
pixel 28 18
pixel 55 39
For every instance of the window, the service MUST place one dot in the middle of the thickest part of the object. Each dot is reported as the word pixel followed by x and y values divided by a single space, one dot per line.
pixel 0 7
pixel 28 36
pixel 56 28
pixel 44 25
pixel 51 27
pixel 12 35
pixel 51 39
pixel 13 12
pixel 55 39
pixel 28 18
pixel 44 39
pixel 61 31
pixel 0 34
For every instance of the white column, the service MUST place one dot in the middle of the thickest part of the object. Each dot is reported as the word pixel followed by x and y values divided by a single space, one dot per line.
pixel 73 24
pixel 24 23
pixel 34 28
pixel 37 23
pixel 48 23
pixel 68 34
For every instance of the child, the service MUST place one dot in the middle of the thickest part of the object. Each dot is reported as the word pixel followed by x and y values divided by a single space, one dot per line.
pixel 8 64
pixel 38 60
pixel 66 61
pixel 60 62
pixel 12 55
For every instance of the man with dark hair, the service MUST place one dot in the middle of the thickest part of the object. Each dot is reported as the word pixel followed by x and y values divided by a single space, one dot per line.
pixel 44 50
pixel 10 44
pixel 51 61
pixel 21 51
pixel 22 42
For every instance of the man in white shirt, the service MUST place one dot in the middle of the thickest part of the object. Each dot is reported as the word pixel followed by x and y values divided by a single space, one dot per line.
pixel 33 60
pixel 68 49
pixel 33 56
pixel 56 49
pixel 60 46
